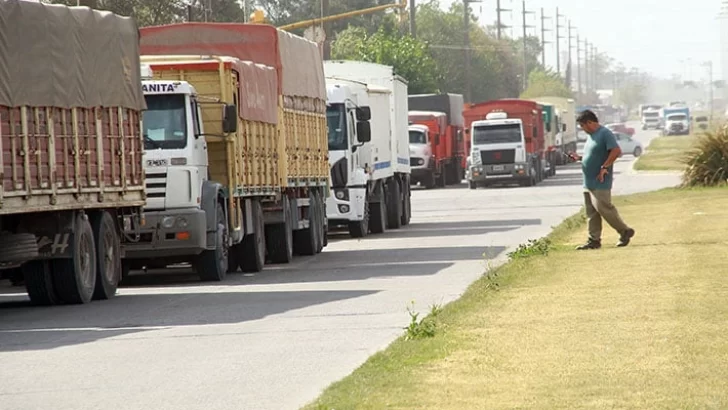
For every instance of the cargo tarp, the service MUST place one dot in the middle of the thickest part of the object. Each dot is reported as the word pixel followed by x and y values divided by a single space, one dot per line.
pixel 259 93
pixel 297 60
pixel 67 57
pixel 450 104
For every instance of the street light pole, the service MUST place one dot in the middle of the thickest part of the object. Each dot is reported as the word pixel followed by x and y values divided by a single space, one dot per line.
pixel 525 46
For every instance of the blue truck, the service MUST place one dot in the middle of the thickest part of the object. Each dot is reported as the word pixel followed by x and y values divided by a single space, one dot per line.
pixel 675 120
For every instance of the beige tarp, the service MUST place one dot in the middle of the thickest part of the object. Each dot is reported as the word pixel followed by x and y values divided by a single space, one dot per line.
pixel 67 57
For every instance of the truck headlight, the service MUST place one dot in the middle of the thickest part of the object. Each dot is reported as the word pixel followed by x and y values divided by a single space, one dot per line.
pixel 182 222
pixel 168 222
pixel 341 194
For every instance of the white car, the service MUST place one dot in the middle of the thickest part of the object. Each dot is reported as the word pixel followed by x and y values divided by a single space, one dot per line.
pixel 628 144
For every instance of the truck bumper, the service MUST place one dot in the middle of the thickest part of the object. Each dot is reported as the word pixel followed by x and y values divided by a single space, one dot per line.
pixel 494 173
pixel 345 205
pixel 420 174
pixel 169 233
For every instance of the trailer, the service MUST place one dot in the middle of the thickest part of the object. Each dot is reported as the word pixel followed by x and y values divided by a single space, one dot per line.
pixel 390 195
pixel 257 158
pixel 72 179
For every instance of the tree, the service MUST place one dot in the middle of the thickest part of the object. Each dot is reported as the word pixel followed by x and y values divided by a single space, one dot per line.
pixel 410 57
pixel 546 83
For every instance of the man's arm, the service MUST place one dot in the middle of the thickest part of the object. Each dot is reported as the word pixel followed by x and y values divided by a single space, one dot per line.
pixel 610 143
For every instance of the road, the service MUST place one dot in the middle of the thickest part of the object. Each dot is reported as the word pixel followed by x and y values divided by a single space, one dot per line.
pixel 274 340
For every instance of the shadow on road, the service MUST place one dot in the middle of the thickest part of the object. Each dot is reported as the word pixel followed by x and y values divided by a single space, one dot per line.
pixel 52 327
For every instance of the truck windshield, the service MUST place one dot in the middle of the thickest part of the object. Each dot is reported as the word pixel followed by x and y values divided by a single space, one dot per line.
pixel 651 114
pixel 417 137
pixel 336 121
pixel 165 122
pixel 497 134
pixel 677 117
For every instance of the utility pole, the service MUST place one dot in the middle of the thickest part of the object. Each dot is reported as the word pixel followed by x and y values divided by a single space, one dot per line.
pixel 586 67
pixel 578 65
pixel 412 13
pixel 525 45
pixel 543 38
pixel 595 57
pixel 709 64
pixel 499 21
pixel 558 41
pixel 571 65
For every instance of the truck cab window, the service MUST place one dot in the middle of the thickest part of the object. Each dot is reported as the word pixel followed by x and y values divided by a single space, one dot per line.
pixel 337 126
pixel 195 117
pixel 497 134
pixel 165 122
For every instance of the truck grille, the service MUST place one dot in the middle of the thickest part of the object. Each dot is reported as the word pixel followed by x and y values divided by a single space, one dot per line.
pixel 499 156
pixel 156 184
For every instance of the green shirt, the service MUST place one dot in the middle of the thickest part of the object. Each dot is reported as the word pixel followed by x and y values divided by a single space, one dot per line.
pixel 596 151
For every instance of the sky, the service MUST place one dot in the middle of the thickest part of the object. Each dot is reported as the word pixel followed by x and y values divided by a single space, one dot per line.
pixel 657 36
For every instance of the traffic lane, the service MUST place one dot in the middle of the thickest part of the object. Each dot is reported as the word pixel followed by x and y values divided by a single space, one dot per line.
pixel 274 339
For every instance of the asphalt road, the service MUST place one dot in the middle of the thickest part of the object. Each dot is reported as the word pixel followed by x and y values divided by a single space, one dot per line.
pixel 273 340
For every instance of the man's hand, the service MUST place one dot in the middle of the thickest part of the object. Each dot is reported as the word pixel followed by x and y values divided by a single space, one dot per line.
pixel 602 173
pixel 574 157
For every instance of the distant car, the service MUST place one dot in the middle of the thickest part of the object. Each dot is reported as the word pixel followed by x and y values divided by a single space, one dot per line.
pixel 619 127
pixel 628 144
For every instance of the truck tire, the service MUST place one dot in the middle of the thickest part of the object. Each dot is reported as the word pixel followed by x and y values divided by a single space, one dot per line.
pixel 305 241
pixel 320 220
pixel 108 256
pixel 406 205
pixel 75 278
pixel 251 251
pixel 360 229
pixel 394 205
pixel 429 181
pixel 279 237
pixel 212 265
pixel 18 247
pixel 39 283
pixel 378 221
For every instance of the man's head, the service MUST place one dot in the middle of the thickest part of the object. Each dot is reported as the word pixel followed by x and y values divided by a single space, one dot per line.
pixel 588 121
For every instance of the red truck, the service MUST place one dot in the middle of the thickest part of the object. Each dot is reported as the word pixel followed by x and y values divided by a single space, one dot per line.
pixel 508 142
pixel 437 144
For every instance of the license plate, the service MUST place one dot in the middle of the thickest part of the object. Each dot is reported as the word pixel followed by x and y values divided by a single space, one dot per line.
pixel 498 168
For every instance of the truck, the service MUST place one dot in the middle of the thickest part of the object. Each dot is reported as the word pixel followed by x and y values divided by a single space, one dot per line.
pixel 675 120
pixel 440 160
pixel 358 117
pixel 508 142
pixel 566 140
pixel 72 185
pixel 389 196
pixel 650 119
pixel 240 174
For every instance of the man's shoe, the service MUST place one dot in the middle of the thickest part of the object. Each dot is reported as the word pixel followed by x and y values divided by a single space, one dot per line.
pixel 625 237
pixel 590 244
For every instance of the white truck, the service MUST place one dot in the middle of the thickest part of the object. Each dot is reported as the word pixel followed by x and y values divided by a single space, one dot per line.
pixel 651 119
pixel 566 140
pixel 388 192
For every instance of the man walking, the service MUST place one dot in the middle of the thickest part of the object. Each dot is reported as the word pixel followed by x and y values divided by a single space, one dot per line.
pixel 600 152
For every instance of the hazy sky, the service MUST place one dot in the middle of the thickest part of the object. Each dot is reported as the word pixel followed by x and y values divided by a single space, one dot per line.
pixel 650 34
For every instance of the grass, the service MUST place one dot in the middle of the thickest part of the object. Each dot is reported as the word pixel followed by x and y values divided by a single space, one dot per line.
pixel 635 327
pixel 665 153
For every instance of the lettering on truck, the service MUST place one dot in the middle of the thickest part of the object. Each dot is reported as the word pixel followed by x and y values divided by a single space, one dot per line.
pixel 159 88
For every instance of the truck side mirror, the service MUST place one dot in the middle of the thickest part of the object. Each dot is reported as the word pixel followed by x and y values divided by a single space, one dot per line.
pixel 363 113
pixel 230 118
pixel 363 131
pixel 467 130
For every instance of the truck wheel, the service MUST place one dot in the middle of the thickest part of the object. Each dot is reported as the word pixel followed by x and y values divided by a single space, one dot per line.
pixel 472 185
pixel 251 251
pixel 39 283
pixel 212 265
pixel 75 278
pixel 360 229
pixel 108 256
pixel 406 205
pixel 18 247
pixel 378 221
pixel 320 220
pixel 429 181
pixel 441 178
pixel 305 241
pixel 279 237
pixel 394 205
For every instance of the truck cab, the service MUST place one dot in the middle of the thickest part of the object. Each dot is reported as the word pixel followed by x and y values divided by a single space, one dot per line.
pixel 428 147
pixel 650 119
pixel 347 118
pixel 420 147
pixel 176 167
pixel 499 151
pixel 677 123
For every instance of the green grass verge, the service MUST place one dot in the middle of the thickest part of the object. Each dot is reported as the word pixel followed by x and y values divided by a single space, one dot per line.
pixel 665 154
pixel 635 327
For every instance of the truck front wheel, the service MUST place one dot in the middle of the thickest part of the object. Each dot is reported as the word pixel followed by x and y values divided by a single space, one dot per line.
pixel 360 229
pixel 212 265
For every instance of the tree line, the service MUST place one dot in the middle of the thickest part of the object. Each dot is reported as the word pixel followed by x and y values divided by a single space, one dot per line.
pixel 432 62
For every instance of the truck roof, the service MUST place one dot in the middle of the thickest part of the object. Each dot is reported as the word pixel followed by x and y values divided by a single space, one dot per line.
pixel 450 104
pixel 297 61
pixel 365 69
pixel 497 122
pixel 80 58
pixel 427 113
pixel 419 127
